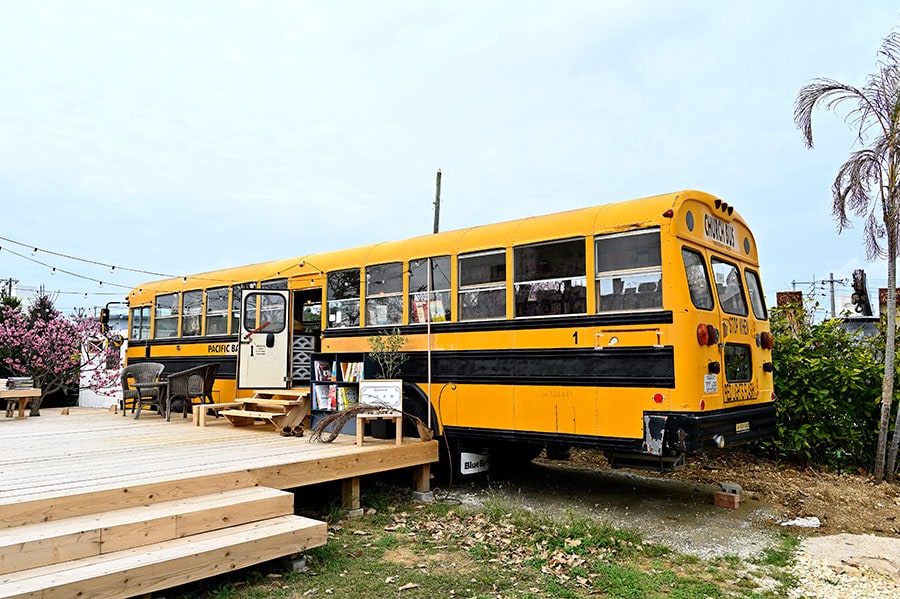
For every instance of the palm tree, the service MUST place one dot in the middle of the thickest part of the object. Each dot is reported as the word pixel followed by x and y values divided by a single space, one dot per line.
pixel 867 186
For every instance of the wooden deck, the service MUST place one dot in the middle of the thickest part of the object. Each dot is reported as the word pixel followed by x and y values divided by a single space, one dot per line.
pixel 92 465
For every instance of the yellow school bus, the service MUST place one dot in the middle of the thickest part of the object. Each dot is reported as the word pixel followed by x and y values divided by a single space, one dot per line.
pixel 639 328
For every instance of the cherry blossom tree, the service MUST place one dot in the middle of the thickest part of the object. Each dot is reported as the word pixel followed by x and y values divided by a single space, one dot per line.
pixel 53 350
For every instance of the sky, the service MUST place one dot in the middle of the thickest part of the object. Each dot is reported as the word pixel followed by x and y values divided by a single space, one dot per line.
pixel 186 136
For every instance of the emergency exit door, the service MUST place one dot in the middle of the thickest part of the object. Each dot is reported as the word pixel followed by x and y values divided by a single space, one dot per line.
pixel 264 351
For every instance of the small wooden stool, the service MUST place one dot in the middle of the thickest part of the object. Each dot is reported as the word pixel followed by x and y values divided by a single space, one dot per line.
pixel 361 419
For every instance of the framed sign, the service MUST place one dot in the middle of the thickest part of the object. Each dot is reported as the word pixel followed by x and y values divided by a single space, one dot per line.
pixel 382 393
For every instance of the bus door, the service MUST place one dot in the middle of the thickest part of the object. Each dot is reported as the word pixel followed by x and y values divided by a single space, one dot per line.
pixel 737 333
pixel 264 349
pixel 307 329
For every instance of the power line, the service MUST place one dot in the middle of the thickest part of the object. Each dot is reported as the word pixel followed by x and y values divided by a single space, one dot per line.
pixel 112 267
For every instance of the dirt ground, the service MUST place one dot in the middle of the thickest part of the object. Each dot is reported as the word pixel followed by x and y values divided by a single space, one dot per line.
pixel 845 503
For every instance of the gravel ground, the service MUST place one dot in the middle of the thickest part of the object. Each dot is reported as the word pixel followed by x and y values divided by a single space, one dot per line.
pixel 848 566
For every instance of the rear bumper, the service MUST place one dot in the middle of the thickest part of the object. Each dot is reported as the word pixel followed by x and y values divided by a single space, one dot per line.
pixel 672 432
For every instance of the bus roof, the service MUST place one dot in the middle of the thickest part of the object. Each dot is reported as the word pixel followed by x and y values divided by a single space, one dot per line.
pixel 613 217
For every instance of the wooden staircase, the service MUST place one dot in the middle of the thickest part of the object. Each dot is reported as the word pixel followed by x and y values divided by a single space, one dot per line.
pixel 143 548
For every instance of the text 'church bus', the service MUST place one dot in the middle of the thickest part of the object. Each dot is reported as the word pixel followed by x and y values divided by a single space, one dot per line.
pixel 638 328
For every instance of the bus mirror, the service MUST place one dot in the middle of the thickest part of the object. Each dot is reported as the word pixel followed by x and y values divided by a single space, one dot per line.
pixel 104 315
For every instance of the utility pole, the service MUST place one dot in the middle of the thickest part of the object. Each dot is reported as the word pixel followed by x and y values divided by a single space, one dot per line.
pixel 831 284
pixel 437 200
pixel 9 286
pixel 830 280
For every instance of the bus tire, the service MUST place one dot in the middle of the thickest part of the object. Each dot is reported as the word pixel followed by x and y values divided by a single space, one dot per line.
pixel 512 455
pixel 555 451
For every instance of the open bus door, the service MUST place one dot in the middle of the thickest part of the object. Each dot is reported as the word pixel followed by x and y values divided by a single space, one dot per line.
pixel 264 350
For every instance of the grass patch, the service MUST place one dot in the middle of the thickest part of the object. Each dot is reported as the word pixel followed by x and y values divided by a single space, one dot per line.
pixel 415 550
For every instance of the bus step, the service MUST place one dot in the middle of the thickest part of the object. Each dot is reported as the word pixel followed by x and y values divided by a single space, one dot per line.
pixel 660 464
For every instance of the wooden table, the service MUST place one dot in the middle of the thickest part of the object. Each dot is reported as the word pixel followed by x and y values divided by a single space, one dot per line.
pixel 23 396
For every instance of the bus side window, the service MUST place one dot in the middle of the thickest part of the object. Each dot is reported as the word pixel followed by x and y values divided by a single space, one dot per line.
pixel 729 287
pixel 697 279
pixel 343 298
pixel 629 271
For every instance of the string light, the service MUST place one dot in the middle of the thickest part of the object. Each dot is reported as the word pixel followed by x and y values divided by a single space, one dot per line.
pixel 112 267
pixel 64 271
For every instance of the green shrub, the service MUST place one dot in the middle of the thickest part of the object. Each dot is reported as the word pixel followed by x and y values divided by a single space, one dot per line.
pixel 828 384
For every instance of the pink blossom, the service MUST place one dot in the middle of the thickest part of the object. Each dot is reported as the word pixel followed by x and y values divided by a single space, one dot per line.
pixel 53 350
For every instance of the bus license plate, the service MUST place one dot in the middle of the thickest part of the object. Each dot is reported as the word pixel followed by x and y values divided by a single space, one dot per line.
pixel 742 427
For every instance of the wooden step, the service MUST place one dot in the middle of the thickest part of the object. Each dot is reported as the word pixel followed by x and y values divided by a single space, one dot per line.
pixel 45 543
pixel 168 564
pixel 296 393
pixel 249 418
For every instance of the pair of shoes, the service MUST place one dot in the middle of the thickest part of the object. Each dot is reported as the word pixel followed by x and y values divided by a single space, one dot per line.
pixel 287 431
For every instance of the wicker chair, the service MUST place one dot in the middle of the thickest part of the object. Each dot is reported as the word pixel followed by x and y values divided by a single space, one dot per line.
pixel 209 379
pixel 144 372
pixel 185 386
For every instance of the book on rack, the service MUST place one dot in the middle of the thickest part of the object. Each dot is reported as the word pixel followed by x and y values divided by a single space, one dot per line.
pixel 322 371
pixel 351 372
pixel 347 397
pixel 332 397
pixel 320 401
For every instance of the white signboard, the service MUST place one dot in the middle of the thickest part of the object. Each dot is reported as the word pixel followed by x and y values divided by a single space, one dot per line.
pixel 382 393
pixel 473 463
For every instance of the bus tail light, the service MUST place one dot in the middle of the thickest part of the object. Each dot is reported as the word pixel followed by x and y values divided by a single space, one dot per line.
pixel 707 334
pixel 766 340
pixel 658 397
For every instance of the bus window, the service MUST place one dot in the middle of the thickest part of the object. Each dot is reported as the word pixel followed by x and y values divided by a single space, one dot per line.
pixel 191 313
pixel 217 311
pixel 440 289
pixel 754 289
pixel 482 285
pixel 729 288
pixel 550 278
pixel 384 294
pixel 307 312
pixel 629 271
pixel 166 321
pixel 140 323
pixel 738 363
pixel 271 313
pixel 698 279
pixel 236 291
pixel 274 284
pixel 343 298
